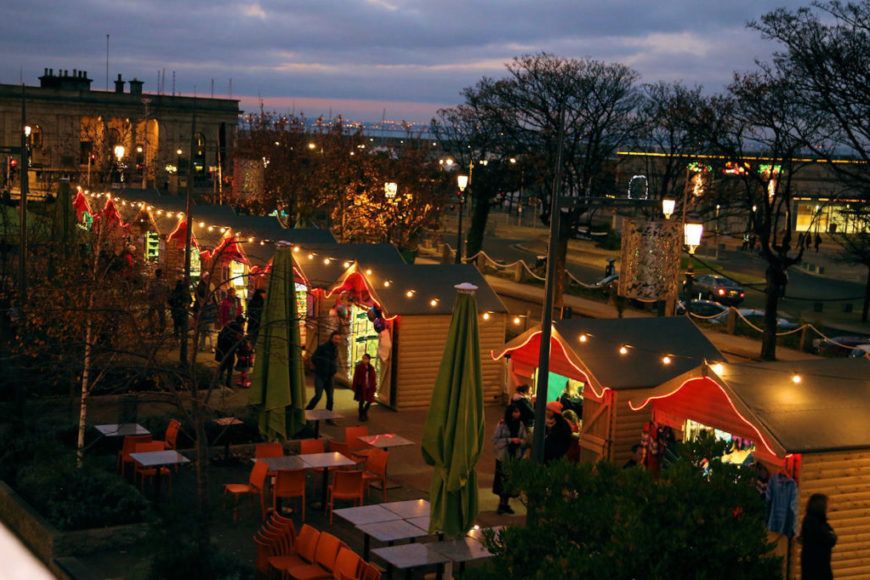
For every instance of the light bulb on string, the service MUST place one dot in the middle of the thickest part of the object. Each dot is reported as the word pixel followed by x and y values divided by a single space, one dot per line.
pixel 718 368
pixel 584 338
pixel 486 316
pixel 796 378
pixel 517 320
pixel 666 360
pixel 623 350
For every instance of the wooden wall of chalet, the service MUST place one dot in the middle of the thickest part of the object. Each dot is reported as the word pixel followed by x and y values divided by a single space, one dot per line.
pixel 845 478
pixel 421 346
pixel 610 427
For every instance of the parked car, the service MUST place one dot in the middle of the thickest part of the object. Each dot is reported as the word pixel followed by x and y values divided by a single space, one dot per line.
pixel 713 312
pixel 719 289
pixel 839 345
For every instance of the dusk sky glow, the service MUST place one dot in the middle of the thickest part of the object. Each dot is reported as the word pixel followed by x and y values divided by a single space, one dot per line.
pixel 359 57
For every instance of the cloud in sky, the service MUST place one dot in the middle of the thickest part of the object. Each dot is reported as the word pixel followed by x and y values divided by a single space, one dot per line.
pixel 360 56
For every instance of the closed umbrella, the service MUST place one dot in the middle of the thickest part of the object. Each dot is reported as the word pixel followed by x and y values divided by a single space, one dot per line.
pixel 453 435
pixel 278 381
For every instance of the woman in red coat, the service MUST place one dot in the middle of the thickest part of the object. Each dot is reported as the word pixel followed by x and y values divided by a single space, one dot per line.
pixel 364 386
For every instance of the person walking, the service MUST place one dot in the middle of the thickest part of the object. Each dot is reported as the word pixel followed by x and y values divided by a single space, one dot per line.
pixel 510 440
pixel 817 539
pixel 179 300
pixel 244 362
pixel 228 342
pixel 158 296
pixel 255 313
pixel 818 242
pixel 207 317
pixel 230 308
pixel 325 361
pixel 365 384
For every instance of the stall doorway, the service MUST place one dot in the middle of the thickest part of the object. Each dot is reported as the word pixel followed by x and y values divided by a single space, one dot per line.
pixel 362 339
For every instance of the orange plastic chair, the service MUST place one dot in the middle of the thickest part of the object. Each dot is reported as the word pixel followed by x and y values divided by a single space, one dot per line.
pixel 289 484
pixel 328 547
pixel 171 435
pixel 347 564
pixel 255 485
pixel 306 551
pixel 376 469
pixel 370 572
pixel 307 446
pixel 140 473
pixel 351 437
pixel 272 547
pixel 128 447
pixel 345 485
pixel 272 449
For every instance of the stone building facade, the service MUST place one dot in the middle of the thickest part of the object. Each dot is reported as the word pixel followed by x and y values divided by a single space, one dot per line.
pixel 97 138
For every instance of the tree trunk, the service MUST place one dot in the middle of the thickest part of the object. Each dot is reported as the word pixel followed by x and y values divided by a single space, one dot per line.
pixel 771 306
pixel 203 515
pixel 86 363
pixel 476 232
pixel 866 297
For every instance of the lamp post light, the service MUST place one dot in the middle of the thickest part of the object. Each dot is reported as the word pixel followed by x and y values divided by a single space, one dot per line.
pixel 119 156
pixel 692 233
pixel 390 190
pixel 462 182
pixel 668 206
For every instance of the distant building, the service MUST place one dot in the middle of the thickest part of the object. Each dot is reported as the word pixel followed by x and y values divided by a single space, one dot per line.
pixel 99 138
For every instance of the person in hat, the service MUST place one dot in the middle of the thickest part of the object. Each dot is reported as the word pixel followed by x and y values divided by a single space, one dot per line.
pixel 557 433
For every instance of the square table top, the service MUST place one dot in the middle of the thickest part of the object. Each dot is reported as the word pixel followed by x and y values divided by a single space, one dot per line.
pixel 385 440
pixel 392 530
pixel 413 508
pixel 159 458
pixel 410 555
pixel 284 463
pixel 122 429
pixel 421 522
pixel 367 514
pixel 464 550
pixel 326 460
pixel 318 414
pixel 228 421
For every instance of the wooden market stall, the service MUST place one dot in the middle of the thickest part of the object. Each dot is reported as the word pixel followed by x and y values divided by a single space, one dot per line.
pixel 805 420
pixel 609 362
pixel 414 304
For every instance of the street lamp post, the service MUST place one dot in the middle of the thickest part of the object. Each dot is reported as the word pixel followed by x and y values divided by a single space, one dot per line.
pixel 668 206
pixel 692 233
pixel 119 156
pixel 462 182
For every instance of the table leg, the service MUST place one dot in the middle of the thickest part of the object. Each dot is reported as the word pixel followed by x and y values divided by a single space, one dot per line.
pixel 367 544
pixel 317 429
pixel 157 483
pixel 323 489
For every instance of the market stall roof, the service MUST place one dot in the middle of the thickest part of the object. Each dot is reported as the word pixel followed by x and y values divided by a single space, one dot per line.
pixel 807 406
pixel 594 347
pixel 323 264
pixel 421 289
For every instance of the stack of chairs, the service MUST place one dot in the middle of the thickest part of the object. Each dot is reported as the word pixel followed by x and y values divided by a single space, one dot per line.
pixel 308 555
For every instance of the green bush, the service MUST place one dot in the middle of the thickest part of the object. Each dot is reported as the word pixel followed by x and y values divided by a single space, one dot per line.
pixel 76 499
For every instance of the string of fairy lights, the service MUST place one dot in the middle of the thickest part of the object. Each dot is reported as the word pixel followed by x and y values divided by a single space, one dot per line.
pixel 623 349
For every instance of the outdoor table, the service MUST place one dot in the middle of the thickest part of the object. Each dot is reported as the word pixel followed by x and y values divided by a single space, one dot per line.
pixel 158 459
pixel 121 429
pixel 409 556
pixel 477 532
pixel 325 461
pixel 317 415
pixel 385 440
pixel 412 508
pixel 227 423
pixel 389 532
pixel 421 522
pixel 460 552
pixel 366 514
pixel 284 463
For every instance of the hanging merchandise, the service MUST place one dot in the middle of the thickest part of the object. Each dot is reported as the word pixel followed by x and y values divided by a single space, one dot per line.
pixel 782 498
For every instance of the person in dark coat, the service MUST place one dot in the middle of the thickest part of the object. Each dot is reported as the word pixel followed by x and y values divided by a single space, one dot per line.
pixel 255 313
pixel 179 300
pixel 325 361
pixel 228 342
pixel 818 539
pixel 365 385
pixel 522 400
pixel 557 436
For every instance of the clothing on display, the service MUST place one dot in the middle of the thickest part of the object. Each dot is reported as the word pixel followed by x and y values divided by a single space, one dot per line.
pixel 782 499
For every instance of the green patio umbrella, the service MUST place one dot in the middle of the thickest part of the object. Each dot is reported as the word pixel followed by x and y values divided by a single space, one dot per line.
pixel 278 379
pixel 453 435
